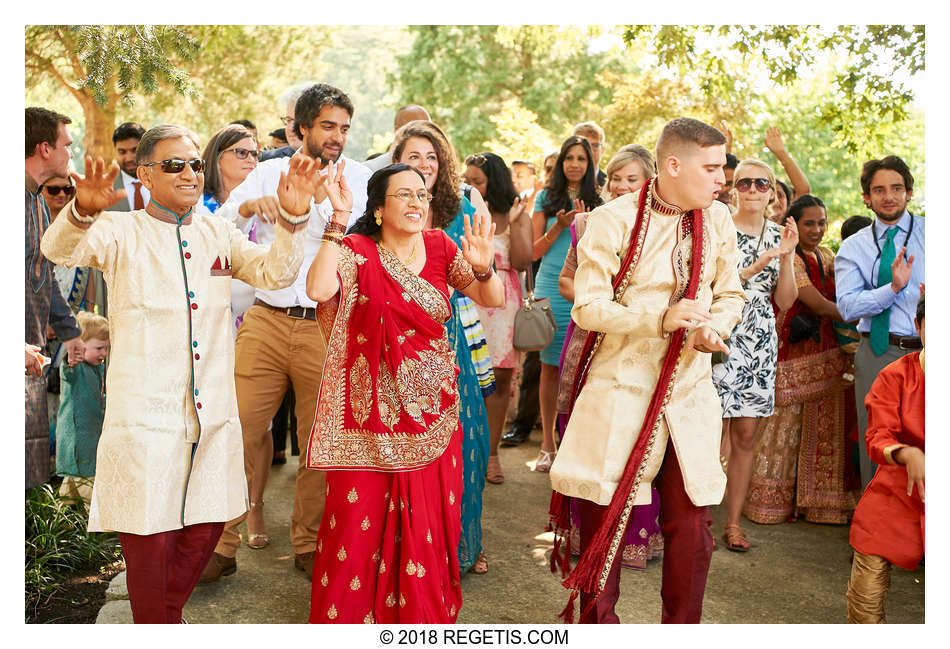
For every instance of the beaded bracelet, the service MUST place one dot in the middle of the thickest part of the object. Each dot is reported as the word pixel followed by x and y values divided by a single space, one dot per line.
pixel 334 238
pixel 333 226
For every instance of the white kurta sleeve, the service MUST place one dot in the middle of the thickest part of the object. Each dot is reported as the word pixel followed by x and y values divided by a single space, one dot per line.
pixel 267 267
pixel 70 243
pixel 728 296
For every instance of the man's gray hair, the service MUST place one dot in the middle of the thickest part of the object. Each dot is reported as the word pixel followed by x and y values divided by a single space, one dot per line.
pixel 292 94
pixel 155 135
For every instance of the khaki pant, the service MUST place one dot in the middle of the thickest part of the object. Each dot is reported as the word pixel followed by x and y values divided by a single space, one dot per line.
pixel 77 489
pixel 272 351
pixel 867 588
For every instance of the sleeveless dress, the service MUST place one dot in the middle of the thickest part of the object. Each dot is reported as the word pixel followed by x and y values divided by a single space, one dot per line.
pixel 499 322
pixel 545 284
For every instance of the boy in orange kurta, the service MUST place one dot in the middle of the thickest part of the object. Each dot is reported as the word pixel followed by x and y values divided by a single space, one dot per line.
pixel 888 524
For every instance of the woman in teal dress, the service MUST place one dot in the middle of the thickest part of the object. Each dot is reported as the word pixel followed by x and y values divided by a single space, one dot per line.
pixel 424 146
pixel 572 188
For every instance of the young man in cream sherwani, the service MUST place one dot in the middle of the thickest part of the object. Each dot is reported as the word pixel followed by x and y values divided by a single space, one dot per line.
pixel 683 460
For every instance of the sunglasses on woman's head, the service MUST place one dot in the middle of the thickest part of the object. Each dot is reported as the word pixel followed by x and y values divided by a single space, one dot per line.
pixel 761 184
pixel 476 159
pixel 242 154
pixel 67 190
pixel 176 165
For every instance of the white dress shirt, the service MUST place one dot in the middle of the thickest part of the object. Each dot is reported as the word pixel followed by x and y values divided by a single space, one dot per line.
pixel 263 182
pixel 129 183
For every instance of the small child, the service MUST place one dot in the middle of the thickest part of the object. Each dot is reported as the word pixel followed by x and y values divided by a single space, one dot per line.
pixel 82 406
pixel 888 524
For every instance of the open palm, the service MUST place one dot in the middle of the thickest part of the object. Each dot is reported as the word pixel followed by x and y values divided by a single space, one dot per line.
pixel 94 191
pixel 296 186
pixel 477 246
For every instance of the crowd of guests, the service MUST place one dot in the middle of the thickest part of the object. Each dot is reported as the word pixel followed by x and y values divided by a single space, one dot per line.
pixel 392 349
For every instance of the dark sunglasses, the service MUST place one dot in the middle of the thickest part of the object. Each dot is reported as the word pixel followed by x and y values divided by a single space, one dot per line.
pixel 761 184
pixel 242 154
pixel 174 165
pixel 68 190
pixel 476 159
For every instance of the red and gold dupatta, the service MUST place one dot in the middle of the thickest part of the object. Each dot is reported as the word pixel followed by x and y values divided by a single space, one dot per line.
pixel 591 572
pixel 388 398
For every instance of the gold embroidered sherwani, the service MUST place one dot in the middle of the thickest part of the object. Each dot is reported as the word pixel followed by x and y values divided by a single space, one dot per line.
pixel 623 373
pixel 170 453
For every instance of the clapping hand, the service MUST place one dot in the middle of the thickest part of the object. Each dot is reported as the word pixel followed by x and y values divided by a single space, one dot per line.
pixel 518 209
pixel 94 191
pixel 567 218
pixel 334 186
pixel 789 237
pixel 295 189
pixel 900 271
pixel 477 246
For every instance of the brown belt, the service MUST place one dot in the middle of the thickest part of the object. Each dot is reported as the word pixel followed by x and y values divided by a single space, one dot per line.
pixel 295 312
pixel 901 342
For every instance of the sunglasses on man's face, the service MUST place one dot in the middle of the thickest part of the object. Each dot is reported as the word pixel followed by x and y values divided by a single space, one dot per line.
pixel 242 154
pixel 68 190
pixel 761 184
pixel 176 165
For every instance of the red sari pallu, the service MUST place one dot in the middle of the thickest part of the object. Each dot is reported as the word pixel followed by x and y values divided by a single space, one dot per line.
pixel 387 432
pixel 592 570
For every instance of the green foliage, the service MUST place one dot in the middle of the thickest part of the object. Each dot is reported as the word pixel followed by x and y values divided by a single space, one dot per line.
pixel 463 73
pixel 57 542
pixel 869 88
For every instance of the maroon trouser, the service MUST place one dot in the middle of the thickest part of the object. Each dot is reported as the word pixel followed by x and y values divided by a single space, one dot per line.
pixel 687 549
pixel 162 569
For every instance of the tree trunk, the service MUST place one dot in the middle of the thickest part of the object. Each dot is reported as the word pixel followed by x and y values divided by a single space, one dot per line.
pixel 100 123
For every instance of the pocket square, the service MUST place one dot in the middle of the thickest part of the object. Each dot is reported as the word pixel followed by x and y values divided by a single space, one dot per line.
pixel 219 268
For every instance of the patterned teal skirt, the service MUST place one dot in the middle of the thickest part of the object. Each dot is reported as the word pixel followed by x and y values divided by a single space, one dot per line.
pixel 474 419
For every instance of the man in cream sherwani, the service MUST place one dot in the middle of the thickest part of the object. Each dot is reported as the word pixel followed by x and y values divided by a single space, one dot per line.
pixel 683 463
pixel 170 466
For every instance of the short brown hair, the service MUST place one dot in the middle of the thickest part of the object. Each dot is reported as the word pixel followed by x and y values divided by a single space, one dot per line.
pixel 93 326
pixel 42 125
pixel 684 131
pixel 590 128
pixel 892 163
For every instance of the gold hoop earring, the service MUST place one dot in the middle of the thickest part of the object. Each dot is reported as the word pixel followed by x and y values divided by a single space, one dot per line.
pixel 379 219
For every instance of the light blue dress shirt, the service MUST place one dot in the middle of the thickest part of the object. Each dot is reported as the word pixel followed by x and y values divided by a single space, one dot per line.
pixel 856 267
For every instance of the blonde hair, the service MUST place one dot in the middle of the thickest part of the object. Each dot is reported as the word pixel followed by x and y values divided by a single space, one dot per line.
pixel 590 128
pixel 754 162
pixel 92 326
pixel 626 154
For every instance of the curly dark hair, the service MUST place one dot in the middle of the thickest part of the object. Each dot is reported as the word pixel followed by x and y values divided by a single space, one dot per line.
pixel 500 193
pixel 892 163
pixel 798 206
pixel 376 190
pixel 446 195
pixel 557 197
pixel 312 101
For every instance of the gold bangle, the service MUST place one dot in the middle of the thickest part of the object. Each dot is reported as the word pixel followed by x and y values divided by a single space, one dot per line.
pixel 545 236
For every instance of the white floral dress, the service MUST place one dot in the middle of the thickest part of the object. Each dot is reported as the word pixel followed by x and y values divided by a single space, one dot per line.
pixel 746 381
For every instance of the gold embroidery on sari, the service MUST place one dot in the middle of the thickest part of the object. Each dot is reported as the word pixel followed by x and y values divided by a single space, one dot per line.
pixel 382 566
pixel 390 600
pixel 332 521
pixel 422 380
pixel 425 294
pixel 365 525
pixel 410 568
pixel 324 580
pixel 360 338
pixel 361 390
pixel 352 496
pixel 331 612
pixel 369 619
pixel 387 397
pixel 341 553
pixel 402 601
pixel 355 583
pixel 460 272
pixel 420 571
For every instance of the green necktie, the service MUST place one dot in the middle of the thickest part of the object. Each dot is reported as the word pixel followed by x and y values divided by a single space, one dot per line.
pixel 881 323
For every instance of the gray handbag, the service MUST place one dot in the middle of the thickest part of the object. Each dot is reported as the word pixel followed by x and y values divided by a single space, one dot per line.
pixel 534 321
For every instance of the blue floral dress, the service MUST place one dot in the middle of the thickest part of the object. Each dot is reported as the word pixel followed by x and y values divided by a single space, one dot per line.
pixel 746 381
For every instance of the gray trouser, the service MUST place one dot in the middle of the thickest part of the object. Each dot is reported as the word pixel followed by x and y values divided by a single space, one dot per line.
pixel 866 368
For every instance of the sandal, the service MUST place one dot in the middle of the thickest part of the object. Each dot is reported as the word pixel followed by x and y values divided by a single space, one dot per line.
pixel 257 541
pixel 493 473
pixel 735 540
pixel 545 460
pixel 480 567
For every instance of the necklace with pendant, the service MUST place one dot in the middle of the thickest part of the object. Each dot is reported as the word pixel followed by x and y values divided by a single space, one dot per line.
pixel 407 260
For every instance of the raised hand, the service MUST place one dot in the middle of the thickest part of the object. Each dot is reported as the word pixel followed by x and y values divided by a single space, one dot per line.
pixel 685 314
pixel 565 218
pixel 335 188
pixel 94 191
pixel 518 209
pixel 477 245
pixel 789 237
pixel 295 188
pixel 264 208
pixel 773 140
pixel 727 134
pixel 706 340
pixel 900 271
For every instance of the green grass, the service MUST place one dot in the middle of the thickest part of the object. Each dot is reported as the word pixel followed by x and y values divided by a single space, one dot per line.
pixel 57 543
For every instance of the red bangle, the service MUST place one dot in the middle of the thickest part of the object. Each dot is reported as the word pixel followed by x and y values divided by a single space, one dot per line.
pixel 484 277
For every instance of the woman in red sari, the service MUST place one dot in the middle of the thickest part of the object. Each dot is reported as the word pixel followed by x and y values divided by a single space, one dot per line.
pixel 387 420
pixel 800 463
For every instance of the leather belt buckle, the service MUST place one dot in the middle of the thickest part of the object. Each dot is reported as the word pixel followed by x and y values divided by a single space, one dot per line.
pixel 296 312
pixel 909 342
